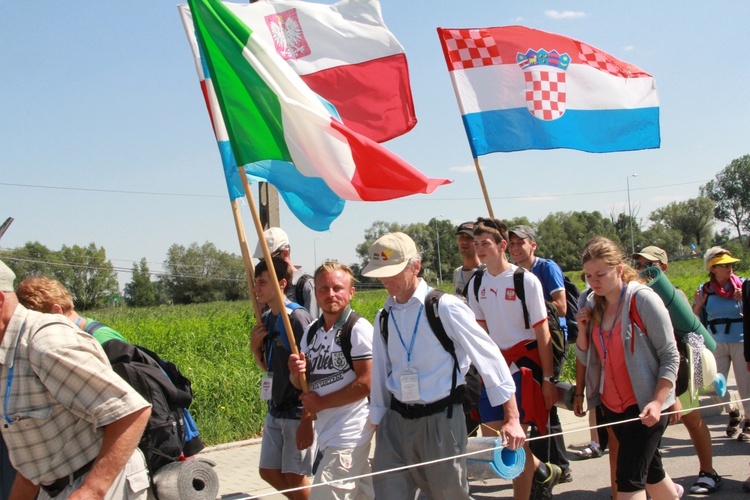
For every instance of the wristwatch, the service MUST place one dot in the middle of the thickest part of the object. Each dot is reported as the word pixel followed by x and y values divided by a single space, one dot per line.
pixel 552 379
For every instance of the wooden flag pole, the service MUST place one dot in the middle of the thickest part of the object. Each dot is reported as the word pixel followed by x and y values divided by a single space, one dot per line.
pixel 272 275
pixel 246 259
pixel 484 188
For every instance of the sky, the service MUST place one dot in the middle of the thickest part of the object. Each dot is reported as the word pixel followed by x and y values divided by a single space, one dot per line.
pixel 105 138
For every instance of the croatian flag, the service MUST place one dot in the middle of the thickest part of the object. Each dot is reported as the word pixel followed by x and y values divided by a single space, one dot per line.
pixel 519 88
pixel 276 125
pixel 345 53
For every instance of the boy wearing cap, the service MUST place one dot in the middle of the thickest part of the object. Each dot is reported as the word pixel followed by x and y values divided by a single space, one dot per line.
pixel 287 449
pixel 469 260
pixel 529 351
pixel 302 289
pixel 419 416
pixel 522 248
pixel 71 424
pixel 708 480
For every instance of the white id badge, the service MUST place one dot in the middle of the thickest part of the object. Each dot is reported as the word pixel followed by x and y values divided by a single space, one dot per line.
pixel 409 385
pixel 266 386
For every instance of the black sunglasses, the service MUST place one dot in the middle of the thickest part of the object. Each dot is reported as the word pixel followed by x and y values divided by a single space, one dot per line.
pixel 639 266
pixel 724 266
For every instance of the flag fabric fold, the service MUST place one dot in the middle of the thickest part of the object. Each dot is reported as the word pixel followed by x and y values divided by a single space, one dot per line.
pixel 308 198
pixel 271 115
pixel 519 88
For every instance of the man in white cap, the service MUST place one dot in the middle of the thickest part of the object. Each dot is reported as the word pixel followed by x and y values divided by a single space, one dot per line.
pixel 708 480
pixel 71 424
pixel 412 399
pixel 302 290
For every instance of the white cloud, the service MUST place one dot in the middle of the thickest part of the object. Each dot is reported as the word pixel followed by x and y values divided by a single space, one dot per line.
pixel 517 20
pixel 629 48
pixel 463 169
pixel 565 14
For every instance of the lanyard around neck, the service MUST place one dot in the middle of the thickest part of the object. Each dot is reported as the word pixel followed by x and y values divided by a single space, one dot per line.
pixel 10 376
pixel 413 336
pixel 612 326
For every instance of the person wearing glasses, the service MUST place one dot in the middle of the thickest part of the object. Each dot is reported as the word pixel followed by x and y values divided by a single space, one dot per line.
pixel 708 480
pixel 71 424
pixel 718 303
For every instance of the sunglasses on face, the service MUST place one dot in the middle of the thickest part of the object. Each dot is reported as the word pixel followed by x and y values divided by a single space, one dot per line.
pixel 640 266
pixel 725 266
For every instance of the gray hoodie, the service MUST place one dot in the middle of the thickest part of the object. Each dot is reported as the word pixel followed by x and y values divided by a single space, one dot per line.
pixel 649 355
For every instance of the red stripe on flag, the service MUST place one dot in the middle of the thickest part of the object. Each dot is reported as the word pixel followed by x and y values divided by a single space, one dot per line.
pixel 384 113
pixel 381 175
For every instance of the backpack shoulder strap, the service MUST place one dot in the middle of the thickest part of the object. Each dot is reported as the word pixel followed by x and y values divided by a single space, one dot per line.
pixel 431 303
pixel 313 329
pixel 382 319
pixel 478 274
pixel 346 336
pixel 433 318
pixel 92 326
pixel 299 288
pixel 521 293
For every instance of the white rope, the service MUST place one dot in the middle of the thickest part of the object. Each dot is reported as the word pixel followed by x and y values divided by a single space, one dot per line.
pixel 444 459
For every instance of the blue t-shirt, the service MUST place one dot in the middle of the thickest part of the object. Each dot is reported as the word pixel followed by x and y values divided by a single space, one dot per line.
pixel 553 280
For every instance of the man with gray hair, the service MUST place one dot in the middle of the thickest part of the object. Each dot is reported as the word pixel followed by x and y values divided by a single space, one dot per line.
pixel 415 397
pixel 71 424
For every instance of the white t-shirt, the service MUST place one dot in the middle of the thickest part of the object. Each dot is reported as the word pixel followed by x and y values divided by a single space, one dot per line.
pixel 344 426
pixel 497 305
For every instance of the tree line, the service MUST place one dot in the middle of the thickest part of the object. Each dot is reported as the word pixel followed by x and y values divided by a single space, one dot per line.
pixel 203 273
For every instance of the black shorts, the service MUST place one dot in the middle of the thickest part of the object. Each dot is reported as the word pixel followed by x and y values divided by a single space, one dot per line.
pixel 638 458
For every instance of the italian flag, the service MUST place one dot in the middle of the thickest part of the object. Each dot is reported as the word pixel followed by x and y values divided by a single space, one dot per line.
pixel 270 114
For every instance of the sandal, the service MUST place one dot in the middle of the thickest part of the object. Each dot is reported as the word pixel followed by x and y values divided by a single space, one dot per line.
pixel 590 451
pixel 735 419
pixel 706 483
pixel 744 436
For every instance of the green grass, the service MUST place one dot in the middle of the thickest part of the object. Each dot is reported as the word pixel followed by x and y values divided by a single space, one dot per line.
pixel 209 343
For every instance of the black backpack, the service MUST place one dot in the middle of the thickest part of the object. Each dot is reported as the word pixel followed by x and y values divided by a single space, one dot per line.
pixel 299 289
pixel 473 386
pixel 572 295
pixel 556 333
pixel 345 334
pixel 163 439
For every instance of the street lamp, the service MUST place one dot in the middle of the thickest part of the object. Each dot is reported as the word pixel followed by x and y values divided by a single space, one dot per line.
pixel 630 213
pixel 440 267
pixel 315 252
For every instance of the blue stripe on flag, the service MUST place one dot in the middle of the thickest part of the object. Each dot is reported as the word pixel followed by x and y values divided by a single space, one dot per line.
pixel 594 131
pixel 310 199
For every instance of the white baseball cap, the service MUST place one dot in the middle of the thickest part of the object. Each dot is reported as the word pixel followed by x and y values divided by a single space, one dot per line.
pixel 7 277
pixel 389 255
pixel 276 239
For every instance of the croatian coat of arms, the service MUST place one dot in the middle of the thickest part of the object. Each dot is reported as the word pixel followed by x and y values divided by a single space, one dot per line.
pixel 544 74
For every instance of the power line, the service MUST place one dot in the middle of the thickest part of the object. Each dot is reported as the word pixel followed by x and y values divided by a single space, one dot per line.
pixel 116 269
pixel 431 199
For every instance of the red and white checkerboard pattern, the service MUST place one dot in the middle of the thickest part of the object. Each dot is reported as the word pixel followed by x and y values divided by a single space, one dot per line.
pixel 545 94
pixel 602 61
pixel 472 48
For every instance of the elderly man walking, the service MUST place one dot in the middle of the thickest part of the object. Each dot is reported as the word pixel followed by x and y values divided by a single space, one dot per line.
pixel 71 424
pixel 416 383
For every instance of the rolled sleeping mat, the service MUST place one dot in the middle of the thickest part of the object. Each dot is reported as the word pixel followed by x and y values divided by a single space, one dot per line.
pixel 683 319
pixel 492 460
pixel 193 479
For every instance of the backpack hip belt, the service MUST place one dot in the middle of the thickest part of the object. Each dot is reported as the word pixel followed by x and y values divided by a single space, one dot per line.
pixel 415 411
